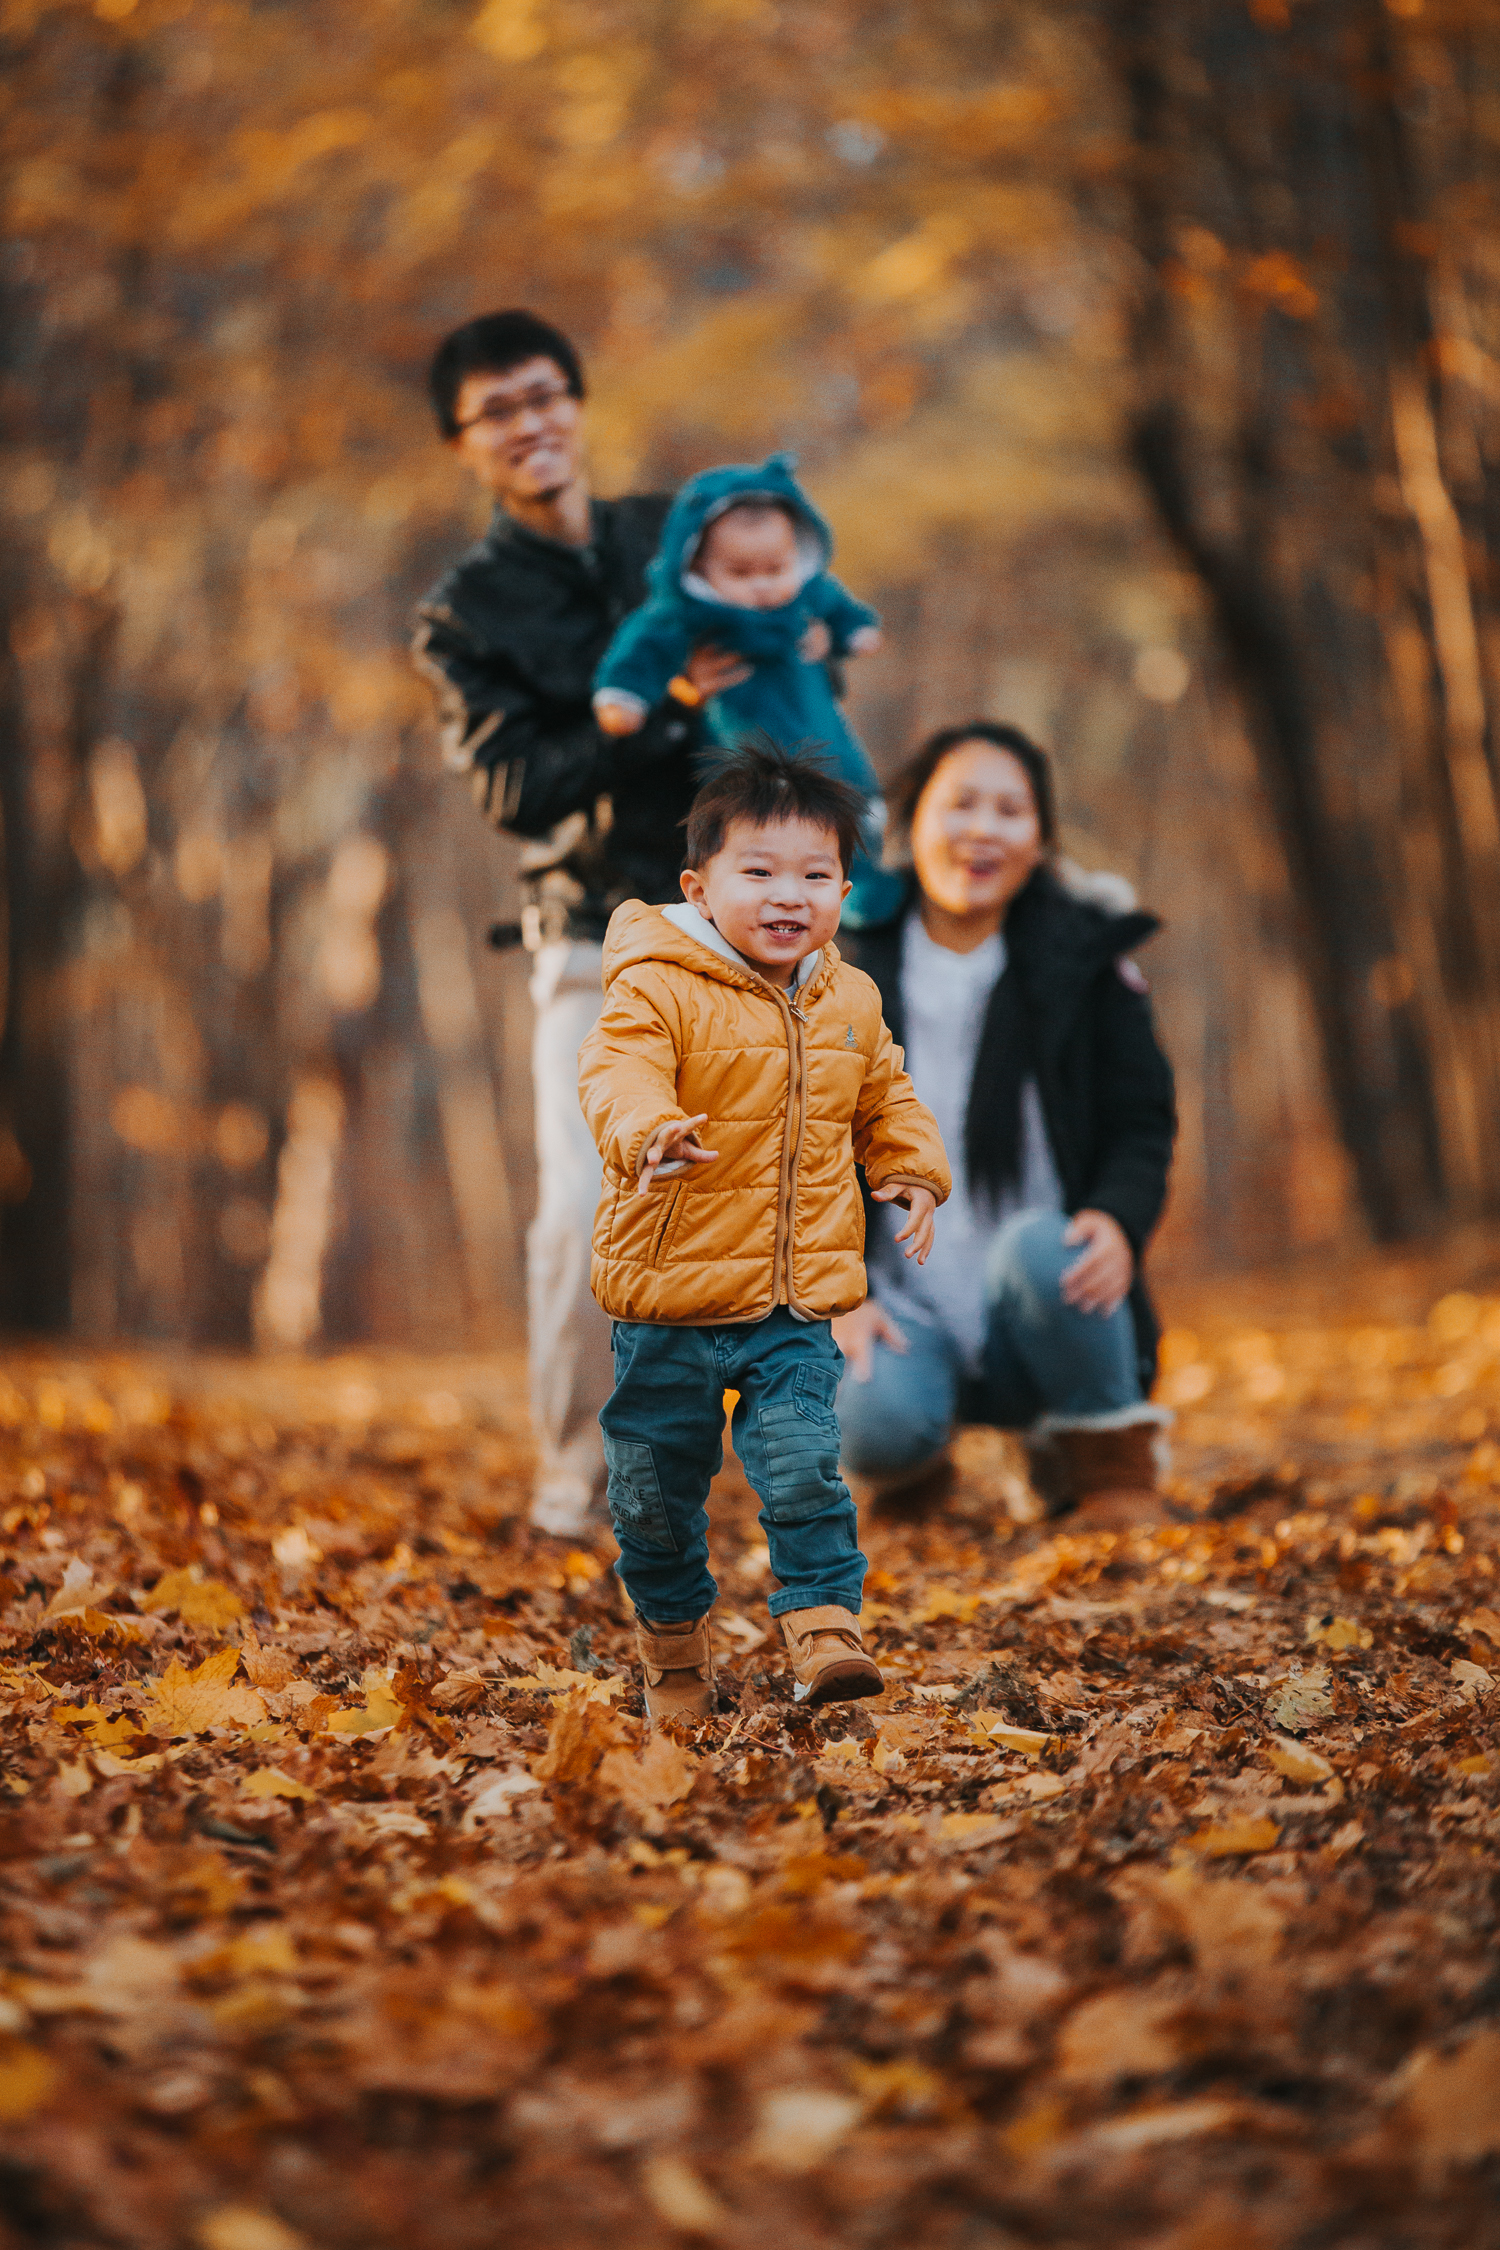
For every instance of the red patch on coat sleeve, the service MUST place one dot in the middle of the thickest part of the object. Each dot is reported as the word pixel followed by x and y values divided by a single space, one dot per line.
pixel 1130 975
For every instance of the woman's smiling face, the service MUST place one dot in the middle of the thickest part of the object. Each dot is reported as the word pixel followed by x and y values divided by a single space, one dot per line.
pixel 975 836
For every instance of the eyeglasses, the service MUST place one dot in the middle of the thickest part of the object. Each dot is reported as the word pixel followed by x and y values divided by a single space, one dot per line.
pixel 500 414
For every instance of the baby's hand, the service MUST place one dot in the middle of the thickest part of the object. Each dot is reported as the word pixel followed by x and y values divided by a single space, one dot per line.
pixel 866 641
pixel 815 642
pixel 617 718
pixel 676 1142
pixel 922 1211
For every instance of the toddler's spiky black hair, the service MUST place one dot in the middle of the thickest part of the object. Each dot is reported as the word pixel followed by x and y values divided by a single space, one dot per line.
pixel 765 785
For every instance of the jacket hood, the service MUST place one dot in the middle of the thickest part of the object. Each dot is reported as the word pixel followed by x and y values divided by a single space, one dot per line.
pixel 653 933
pixel 704 497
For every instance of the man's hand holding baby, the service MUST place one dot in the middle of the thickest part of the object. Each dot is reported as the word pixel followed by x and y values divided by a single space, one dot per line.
pixel 672 1145
pixel 921 1206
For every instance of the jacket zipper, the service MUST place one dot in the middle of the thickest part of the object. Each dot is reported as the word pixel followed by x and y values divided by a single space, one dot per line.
pixel 796 1089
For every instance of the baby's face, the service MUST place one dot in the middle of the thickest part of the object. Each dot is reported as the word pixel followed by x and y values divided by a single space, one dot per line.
pixel 750 558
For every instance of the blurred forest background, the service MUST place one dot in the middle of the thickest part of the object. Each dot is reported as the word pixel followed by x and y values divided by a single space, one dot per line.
pixel 1146 356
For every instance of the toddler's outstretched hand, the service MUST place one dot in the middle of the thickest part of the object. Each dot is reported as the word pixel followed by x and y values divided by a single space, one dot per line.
pixel 865 642
pixel 674 1143
pixel 922 1210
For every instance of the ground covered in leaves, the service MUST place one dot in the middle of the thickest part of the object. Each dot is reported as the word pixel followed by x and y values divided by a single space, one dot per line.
pixel 346 1904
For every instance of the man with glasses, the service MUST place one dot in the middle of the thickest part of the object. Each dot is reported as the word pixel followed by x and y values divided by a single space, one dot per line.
pixel 511 637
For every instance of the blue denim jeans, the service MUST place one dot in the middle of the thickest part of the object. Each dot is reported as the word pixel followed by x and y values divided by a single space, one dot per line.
pixel 1041 1356
pixel 663 1444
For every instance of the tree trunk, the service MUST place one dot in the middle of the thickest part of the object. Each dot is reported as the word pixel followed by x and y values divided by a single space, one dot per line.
pixel 1287 428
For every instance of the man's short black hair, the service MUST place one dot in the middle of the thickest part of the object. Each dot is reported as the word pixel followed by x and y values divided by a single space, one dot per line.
pixel 492 345
pixel 765 785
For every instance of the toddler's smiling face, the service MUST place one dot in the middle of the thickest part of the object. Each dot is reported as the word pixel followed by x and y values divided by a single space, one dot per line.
pixel 749 556
pixel 773 890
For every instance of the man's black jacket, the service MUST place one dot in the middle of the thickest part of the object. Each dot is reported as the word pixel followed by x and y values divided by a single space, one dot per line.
pixel 1104 1083
pixel 511 636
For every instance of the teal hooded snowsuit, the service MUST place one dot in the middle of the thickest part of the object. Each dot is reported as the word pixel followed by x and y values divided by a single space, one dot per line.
pixel 785 697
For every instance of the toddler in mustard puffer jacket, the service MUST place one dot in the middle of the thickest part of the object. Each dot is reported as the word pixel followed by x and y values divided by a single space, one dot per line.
pixel 739 1071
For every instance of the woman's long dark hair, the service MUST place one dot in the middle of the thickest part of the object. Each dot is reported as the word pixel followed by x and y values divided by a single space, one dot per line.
pixel 993 1132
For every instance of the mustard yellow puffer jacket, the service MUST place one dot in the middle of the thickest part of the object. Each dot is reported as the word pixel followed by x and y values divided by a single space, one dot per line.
pixel 797 1086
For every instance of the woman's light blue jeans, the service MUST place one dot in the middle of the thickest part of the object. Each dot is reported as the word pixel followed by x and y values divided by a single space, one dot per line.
pixel 1041 1356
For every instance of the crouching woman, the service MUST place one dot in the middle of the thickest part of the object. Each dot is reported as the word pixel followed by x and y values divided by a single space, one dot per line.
pixel 1028 1034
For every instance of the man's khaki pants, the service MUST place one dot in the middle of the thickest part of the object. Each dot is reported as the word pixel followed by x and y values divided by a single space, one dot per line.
pixel 571 1370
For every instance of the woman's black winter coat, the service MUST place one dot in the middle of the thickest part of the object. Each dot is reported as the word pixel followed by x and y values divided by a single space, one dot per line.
pixel 1104 1083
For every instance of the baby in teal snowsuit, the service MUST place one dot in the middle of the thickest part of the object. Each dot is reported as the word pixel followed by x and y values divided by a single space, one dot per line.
pixel 742 565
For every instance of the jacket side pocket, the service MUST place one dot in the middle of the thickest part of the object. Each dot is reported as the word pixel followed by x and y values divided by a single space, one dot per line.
pixel 666 1226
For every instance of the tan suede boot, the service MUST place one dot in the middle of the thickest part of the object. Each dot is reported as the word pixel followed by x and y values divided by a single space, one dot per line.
pixel 828 1656
pixel 679 1665
pixel 1101 1476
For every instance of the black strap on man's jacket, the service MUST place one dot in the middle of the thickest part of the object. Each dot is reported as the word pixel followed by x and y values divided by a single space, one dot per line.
pixel 1104 1084
pixel 511 636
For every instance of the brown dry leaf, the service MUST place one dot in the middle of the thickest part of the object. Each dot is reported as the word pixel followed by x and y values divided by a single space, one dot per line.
pixel 1486 1621
pixel 582 1730
pixel 195 1599
pixel 1453 2101
pixel 676 2194
pixel 1119 2034
pixel 78 1591
pixel 1473 1680
pixel 183 1702
pixel 662 1774
pixel 1232 1839
pixel 1148 2128
pixel 270 1781
pixel 798 2126
pixel 969 1832
pixel 269 1668
pixel 1228 1923
pixel 460 1691
pixel 1302 1702
pixel 1297 1761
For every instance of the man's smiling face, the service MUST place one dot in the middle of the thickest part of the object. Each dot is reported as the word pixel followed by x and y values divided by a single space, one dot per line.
pixel 774 892
pixel 520 432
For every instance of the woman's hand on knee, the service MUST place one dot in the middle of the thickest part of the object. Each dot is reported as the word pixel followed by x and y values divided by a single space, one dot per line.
pixel 1098 1281
pixel 857 1333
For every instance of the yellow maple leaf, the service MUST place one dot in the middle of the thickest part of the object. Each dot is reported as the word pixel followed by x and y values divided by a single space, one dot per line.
pixel 183 1702
pixel 27 2077
pixel 942 1601
pixel 197 1600
pixel 270 1781
pixel 105 1732
pixel 1235 1839
pixel 379 1710
pixel 1339 1633
pixel 1001 1736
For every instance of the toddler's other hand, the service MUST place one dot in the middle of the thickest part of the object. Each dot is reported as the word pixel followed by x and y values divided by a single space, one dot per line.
pixel 866 641
pixel 922 1211
pixel 857 1333
pixel 676 1142
pixel 712 670
pixel 815 642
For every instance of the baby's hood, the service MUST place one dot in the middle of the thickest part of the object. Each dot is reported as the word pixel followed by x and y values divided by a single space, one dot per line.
pixel 705 497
